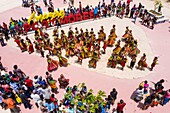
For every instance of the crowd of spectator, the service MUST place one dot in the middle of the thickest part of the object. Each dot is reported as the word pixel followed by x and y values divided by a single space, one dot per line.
pixel 17 88
pixel 151 97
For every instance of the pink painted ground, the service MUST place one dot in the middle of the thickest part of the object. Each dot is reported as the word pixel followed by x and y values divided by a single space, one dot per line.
pixel 159 41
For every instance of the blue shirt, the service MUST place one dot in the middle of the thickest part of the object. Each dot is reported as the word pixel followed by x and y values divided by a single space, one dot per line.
pixel 50 106
pixel 14 86
pixel 42 82
pixel 95 10
pixel 70 110
pixel 0 99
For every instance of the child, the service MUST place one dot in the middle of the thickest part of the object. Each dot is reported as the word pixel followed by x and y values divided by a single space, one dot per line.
pixel 146 85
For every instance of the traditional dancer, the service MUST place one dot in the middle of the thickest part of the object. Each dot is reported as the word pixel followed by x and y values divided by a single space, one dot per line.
pixel 93 61
pixel 29 46
pixel 126 32
pixel 23 46
pixel 142 62
pixel 62 61
pixel 155 62
pixel 133 61
pixel 52 64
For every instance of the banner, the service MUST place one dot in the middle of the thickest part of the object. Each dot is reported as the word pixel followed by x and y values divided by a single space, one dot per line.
pixel 50 18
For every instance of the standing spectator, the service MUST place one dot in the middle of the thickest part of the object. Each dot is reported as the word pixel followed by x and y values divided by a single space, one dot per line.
pixel 14 86
pixel 36 98
pixel 112 1
pixel 132 11
pixel 95 12
pixel 2 39
pixel 29 84
pixel 148 102
pixel 113 94
pixel 166 97
pixel 2 104
pixel 135 17
pixel 113 9
pixel 49 106
pixel 1 66
pixel 146 85
pixel 140 6
pixel 19 73
pixel 52 83
pixel 45 3
pixel 25 100
pixel 11 104
pixel 158 86
pixel 46 92
pixel 64 1
pixel 72 2
pixel 120 106
pixel 128 2
pixel 80 8
pixel 55 101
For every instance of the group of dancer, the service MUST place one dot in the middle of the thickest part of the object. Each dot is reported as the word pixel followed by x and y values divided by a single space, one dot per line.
pixel 84 44
pixel 130 48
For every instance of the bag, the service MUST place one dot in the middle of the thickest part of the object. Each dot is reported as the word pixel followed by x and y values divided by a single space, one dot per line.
pixel 18 99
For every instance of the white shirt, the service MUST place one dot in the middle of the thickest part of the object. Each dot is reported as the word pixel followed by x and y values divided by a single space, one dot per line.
pixel 35 97
pixel 139 92
pixel 3 72
pixel 46 93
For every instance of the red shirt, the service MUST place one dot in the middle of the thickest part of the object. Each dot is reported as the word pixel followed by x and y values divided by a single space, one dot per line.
pixel 128 1
pixel 29 83
pixel 54 100
pixel 120 106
